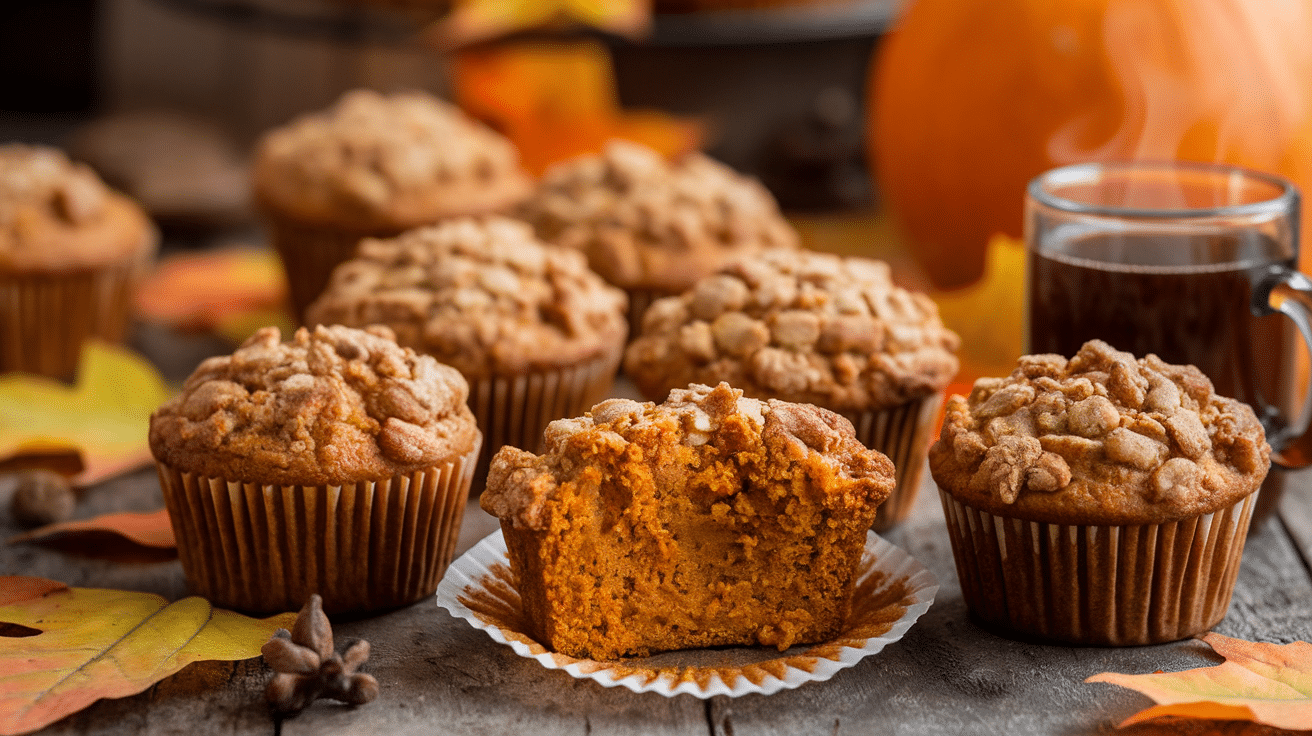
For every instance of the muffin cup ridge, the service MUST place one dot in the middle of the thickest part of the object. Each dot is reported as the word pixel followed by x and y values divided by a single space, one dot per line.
pixel 1098 585
pixel 365 546
pixel 46 317
pixel 902 433
pixel 514 410
pixel 309 254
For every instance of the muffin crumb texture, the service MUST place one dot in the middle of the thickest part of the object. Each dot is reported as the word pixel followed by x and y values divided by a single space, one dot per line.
pixel 1101 438
pixel 647 223
pixel 379 161
pixel 480 294
pixel 333 405
pixel 711 519
pixel 56 213
pixel 801 326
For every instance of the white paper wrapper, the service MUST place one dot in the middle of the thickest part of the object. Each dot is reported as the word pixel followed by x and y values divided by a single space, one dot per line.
pixel 892 591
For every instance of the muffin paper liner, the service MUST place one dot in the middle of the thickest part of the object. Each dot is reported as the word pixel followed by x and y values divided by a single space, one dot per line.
pixel 366 546
pixel 45 317
pixel 309 254
pixel 514 410
pixel 901 433
pixel 891 593
pixel 1098 585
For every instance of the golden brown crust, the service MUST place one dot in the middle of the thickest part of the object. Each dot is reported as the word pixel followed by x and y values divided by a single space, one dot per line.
pixel 375 163
pixel 334 405
pixel 57 215
pixel 481 294
pixel 648 224
pixel 798 326
pixel 1100 439
pixel 711 519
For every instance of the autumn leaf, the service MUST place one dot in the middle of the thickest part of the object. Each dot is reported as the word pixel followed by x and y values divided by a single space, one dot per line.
pixel 152 529
pixel 1264 683
pixel 556 101
pixel 97 644
pixel 226 290
pixel 475 21
pixel 103 420
pixel 989 314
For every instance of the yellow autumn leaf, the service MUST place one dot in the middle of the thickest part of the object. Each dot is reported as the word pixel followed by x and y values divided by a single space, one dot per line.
pixel 1264 683
pixel 104 419
pixel 97 644
pixel 215 289
pixel 989 314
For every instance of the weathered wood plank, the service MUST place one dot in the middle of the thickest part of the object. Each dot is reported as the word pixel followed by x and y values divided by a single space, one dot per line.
pixel 1296 512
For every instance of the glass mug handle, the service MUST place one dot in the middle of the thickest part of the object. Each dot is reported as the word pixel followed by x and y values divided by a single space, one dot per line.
pixel 1288 292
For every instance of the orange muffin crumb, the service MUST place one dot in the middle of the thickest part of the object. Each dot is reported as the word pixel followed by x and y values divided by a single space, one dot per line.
pixel 708 520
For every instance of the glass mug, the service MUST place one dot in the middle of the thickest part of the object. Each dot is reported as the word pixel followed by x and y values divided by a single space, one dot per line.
pixel 1194 262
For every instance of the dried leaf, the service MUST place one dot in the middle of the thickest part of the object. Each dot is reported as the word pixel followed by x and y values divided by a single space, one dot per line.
pixel 104 419
pixel 475 21
pixel 1264 683
pixel 989 315
pixel 558 101
pixel 110 644
pixel 211 290
pixel 17 588
pixel 152 529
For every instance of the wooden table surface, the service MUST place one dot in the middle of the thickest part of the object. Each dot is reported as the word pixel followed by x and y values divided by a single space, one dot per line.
pixel 441 676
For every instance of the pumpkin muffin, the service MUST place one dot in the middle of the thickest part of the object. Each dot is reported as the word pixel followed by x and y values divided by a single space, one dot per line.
pixel 534 331
pixel 709 520
pixel 375 165
pixel 336 463
pixel 71 251
pixel 1098 500
pixel 652 227
pixel 817 328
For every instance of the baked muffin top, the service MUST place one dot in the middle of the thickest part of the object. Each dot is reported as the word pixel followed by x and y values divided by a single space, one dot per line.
pixel 1101 438
pixel 333 405
pixel 481 294
pixel 386 162
pixel 56 214
pixel 700 440
pixel 799 326
pixel 645 223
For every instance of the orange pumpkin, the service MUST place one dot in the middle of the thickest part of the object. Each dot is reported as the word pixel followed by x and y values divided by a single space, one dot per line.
pixel 973 98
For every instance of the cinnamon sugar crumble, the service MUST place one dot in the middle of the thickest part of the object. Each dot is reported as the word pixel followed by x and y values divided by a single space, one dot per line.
pixel 798 325
pixel 1101 438
pixel 333 405
pixel 711 519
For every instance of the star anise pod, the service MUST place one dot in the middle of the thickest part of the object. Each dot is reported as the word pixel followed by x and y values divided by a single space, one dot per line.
pixel 307 667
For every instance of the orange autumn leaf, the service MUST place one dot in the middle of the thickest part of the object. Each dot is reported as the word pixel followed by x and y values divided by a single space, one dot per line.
pixel 475 21
pixel 207 291
pixel 151 529
pixel 16 588
pixel 95 644
pixel 556 101
pixel 103 419
pixel 1265 683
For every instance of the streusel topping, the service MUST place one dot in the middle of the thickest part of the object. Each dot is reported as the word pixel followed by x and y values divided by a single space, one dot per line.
pixel 646 223
pixel 387 161
pixel 679 445
pixel 801 326
pixel 56 213
pixel 1101 438
pixel 333 405
pixel 481 294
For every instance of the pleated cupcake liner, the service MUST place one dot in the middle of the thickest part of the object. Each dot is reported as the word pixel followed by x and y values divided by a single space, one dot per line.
pixel 1098 585
pixel 45 317
pixel 902 433
pixel 514 410
pixel 363 547
pixel 309 254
